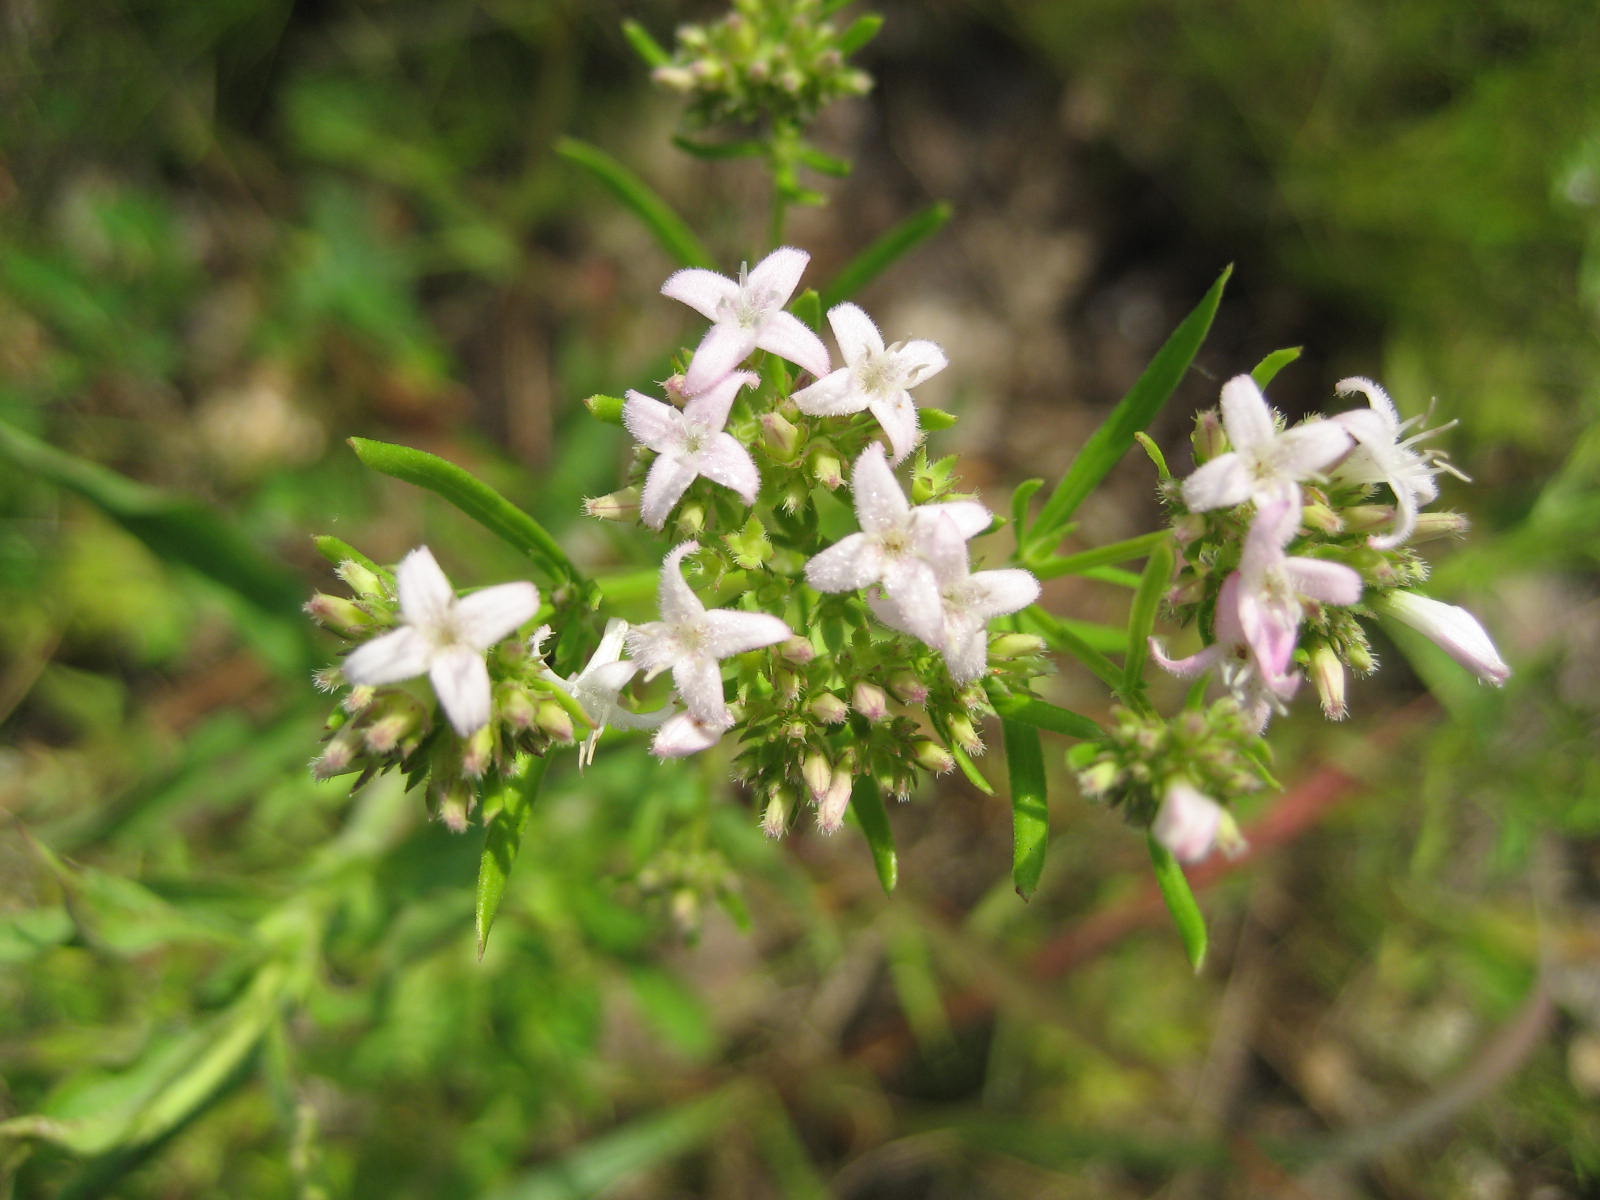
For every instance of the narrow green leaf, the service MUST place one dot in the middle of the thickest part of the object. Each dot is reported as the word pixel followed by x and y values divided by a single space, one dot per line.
pixel 936 420
pixel 501 842
pixel 1180 900
pixel 605 408
pixel 1100 556
pixel 970 770
pixel 1133 412
pixel 1142 614
pixel 1030 809
pixel 879 256
pixel 664 224
pixel 1019 509
pixel 645 46
pixel 1041 714
pixel 473 497
pixel 337 551
pixel 866 801
pixel 712 151
pixel 1063 638
pixel 826 164
pixel 861 31
pixel 1267 369
pixel 1148 445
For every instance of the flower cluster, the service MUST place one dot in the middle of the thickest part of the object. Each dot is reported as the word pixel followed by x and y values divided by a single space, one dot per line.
pixel 1287 540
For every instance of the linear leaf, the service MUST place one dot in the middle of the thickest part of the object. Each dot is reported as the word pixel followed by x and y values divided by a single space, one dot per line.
pixel 1030 809
pixel 1100 556
pixel 1063 638
pixel 1041 714
pixel 472 496
pixel 1133 412
pixel 1267 369
pixel 1019 508
pixel 1142 613
pixel 501 842
pixel 970 770
pixel 884 252
pixel 644 45
pixel 1180 900
pixel 866 801
pixel 664 224
pixel 860 31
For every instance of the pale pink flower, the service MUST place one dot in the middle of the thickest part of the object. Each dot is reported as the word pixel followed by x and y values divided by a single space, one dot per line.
pixel 1456 631
pixel 444 637
pixel 688 444
pixel 1191 824
pixel 598 689
pixel 684 734
pixel 893 544
pixel 874 377
pixel 691 641
pixel 746 316
pixel 1384 455
pixel 1265 465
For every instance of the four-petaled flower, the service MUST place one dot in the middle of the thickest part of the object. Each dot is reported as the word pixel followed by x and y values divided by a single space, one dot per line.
pixel 690 443
pixel 1264 464
pixel 598 688
pixel 968 601
pixel 691 641
pixel 893 545
pixel 874 377
pixel 1384 455
pixel 747 315
pixel 443 637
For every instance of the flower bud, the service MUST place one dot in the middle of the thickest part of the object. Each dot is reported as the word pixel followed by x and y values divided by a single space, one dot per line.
pixel 781 435
pixel 1439 524
pixel 605 408
pixel 797 650
pixel 342 615
pixel 1189 528
pixel 831 808
pixel 555 721
pixel 361 580
pixel 1454 630
pixel 1320 517
pixel 338 757
pixel 828 708
pixel 1187 822
pixel 358 699
pixel 615 506
pixel 1208 439
pixel 691 520
pixel 931 756
pixel 817 772
pixel 516 706
pixel 1327 673
pixel 787 685
pixel 395 723
pixel 1015 645
pixel 965 735
pixel 826 467
pixel 453 805
pixel 1365 518
pixel 775 818
pixel 1099 778
pixel 869 700
pixel 907 688
pixel 477 752
pixel 679 79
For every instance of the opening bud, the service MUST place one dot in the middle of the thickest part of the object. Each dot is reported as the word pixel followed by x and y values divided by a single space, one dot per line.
pixel 1327 673
pixel 775 818
pixel 817 772
pixel 453 805
pixel 869 700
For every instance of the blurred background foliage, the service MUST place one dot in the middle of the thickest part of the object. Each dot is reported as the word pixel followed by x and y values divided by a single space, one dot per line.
pixel 233 234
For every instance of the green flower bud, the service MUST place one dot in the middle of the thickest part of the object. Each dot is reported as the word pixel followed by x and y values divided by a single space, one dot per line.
pixel 361 580
pixel 775 817
pixel 1327 673
pixel 931 756
pixel 477 751
pixel 908 688
pixel 826 467
pixel 341 615
pixel 817 772
pixel 555 721
pixel 615 506
pixel 782 436
pixel 869 700
pixel 1209 439
pixel 797 650
pixel 828 708
pixel 1016 645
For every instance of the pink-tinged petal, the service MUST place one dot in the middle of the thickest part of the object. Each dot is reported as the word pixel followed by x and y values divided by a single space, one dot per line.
pixel 1187 822
pixel 911 585
pixel 1329 582
pixel 850 563
pixel 776 276
pixel 1271 634
pixel 461 682
pixel 664 486
pixel 1221 483
pixel 857 336
pixel 402 654
pixel 698 678
pixel 1377 399
pixel 679 604
pixel 880 504
pixel 682 735
pixel 1245 414
pixel 702 290
pixel 1229 629
pixel 425 593
pixel 486 616
pixel 970 517
pixel 722 349
pixel 1186 668
pixel 728 632
pixel 727 462
pixel 834 395
pixel 919 361
pixel 652 423
pixel 897 416
pixel 1001 593
pixel 1312 447
pixel 1456 631
pixel 787 336
pixel 710 407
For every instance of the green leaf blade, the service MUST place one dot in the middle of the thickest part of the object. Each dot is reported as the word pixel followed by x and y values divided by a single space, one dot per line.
pixel 866 802
pixel 885 252
pixel 665 225
pixel 1142 613
pixel 1180 900
pixel 501 843
pixel 1030 808
pixel 1041 714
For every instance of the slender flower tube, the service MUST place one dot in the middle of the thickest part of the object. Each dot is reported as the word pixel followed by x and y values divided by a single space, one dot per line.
pixel 1456 631
pixel 444 637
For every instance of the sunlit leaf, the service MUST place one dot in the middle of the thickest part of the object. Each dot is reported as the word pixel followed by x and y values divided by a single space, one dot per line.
pixel 1030 808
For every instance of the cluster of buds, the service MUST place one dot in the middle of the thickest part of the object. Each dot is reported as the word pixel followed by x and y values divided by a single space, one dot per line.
pixel 1175 777
pixel 767 61
pixel 1287 540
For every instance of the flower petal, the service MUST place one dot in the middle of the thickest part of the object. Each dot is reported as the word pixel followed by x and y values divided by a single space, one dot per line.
pixel 880 504
pixel 1186 668
pixel 702 290
pixel 727 462
pixel 698 678
pixel 425 593
pixel 401 654
pixel 654 647
pixel 652 423
pixel 1187 822
pixel 897 416
pixel 1329 582
pixel 1377 399
pixel 664 486
pixel 776 276
pixel 911 585
pixel 970 517
pixel 679 604
pixel 1310 447
pixel 966 649
pixel 1220 483
pixel 1245 414
pixel 919 360
pixel 1000 593
pixel 724 346
pixel 486 616
pixel 461 681
pixel 1453 629
pixel 855 332
pixel 834 395
pixel 682 735
pixel 787 336
pixel 710 407
pixel 727 631
pixel 850 563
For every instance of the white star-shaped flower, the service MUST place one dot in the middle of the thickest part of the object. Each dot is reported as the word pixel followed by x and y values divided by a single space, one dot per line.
pixel 691 641
pixel 1264 464
pixel 598 688
pixel 690 443
pixel 1384 455
pixel 746 316
pixel 893 545
pixel 968 600
pixel 443 637
pixel 874 377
